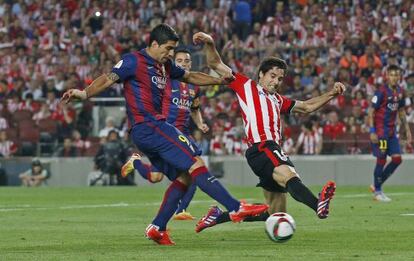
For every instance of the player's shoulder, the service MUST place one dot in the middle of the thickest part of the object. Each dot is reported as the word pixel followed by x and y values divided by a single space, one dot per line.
pixel 240 79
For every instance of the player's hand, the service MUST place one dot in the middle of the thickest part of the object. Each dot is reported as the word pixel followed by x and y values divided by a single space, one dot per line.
pixel 374 138
pixel 338 88
pixel 204 128
pixel 200 37
pixel 73 94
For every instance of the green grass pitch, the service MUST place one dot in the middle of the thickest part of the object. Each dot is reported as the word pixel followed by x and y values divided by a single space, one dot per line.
pixel 108 223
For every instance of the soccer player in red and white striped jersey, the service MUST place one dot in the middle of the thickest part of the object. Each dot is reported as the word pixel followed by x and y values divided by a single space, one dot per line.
pixel 261 107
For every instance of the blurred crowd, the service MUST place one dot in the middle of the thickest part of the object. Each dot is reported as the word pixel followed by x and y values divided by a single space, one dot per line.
pixel 48 46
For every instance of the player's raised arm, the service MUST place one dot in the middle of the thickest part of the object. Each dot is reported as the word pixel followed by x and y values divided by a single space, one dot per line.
pixel 315 103
pixel 213 57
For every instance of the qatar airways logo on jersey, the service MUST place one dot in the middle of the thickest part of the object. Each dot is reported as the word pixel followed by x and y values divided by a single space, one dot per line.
pixel 393 106
pixel 182 103
pixel 161 82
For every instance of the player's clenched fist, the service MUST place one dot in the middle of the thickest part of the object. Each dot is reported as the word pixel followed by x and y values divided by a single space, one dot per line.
pixel 73 94
pixel 200 37
pixel 338 88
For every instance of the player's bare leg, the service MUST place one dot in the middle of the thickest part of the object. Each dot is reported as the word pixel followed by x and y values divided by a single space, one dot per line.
pixel 275 200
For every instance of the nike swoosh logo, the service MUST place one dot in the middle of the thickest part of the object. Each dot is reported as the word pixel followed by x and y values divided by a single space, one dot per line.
pixel 175 90
pixel 150 67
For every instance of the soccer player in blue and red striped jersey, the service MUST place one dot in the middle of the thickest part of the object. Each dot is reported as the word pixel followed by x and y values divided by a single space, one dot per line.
pixel 387 104
pixel 180 103
pixel 146 75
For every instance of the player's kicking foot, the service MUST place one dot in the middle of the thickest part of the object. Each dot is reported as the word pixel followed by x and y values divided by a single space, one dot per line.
pixel 325 197
pixel 209 220
pixel 247 210
pixel 184 215
pixel 160 237
pixel 381 197
pixel 129 165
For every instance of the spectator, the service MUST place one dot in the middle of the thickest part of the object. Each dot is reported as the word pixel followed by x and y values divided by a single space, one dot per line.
pixel 109 126
pixel 309 141
pixel 35 176
pixel 334 127
pixel 7 147
pixel 67 149
pixel 42 114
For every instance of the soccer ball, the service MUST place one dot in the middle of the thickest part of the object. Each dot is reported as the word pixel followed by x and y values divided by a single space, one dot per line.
pixel 280 227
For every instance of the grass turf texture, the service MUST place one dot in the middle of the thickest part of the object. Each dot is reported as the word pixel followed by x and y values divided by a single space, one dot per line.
pixel 108 223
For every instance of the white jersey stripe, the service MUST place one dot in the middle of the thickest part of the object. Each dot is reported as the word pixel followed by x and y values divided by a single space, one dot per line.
pixel 251 113
pixel 260 110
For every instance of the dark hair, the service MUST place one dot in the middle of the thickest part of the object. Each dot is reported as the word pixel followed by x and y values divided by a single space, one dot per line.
pixel 268 63
pixel 393 67
pixel 308 125
pixel 163 33
pixel 181 50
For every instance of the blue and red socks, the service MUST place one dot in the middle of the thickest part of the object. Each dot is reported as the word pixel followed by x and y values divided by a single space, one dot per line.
pixel 172 197
pixel 378 178
pixel 144 169
pixel 185 201
pixel 391 167
pixel 212 187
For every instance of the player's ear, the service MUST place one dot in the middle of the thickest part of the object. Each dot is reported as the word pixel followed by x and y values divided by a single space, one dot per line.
pixel 154 44
pixel 260 75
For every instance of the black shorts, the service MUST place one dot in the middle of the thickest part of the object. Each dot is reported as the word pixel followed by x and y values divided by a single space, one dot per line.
pixel 262 158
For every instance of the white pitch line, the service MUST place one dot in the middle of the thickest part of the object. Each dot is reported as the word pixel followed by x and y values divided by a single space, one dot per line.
pixel 369 194
pixel 407 215
pixel 116 205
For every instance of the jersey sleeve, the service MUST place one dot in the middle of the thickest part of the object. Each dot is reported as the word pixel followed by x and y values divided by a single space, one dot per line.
pixel 238 84
pixel 376 99
pixel 176 72
pixel 287 104
pixel 126 67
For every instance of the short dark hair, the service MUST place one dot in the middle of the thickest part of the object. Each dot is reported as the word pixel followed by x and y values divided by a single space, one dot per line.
pixel 268 63
pixel 163 33
pixel 181 50
pixel 393 67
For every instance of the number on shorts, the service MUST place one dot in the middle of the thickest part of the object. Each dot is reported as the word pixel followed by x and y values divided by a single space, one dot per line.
pixel 281 155
pixel 383 144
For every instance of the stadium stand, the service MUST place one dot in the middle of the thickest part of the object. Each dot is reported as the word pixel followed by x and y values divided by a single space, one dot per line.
pixel 49 46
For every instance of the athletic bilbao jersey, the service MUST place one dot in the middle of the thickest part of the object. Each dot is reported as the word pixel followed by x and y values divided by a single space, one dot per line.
pixel 386 103
pixel 145 81
pixel 177 104
pixel 260 110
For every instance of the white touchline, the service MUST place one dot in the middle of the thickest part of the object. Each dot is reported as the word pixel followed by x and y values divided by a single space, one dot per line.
pixel 408 214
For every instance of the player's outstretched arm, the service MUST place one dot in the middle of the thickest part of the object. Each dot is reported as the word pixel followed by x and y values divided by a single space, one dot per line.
pixel 213 57
pixel 202 79
pixel 97 86
pixel 315 103
pixel 404 123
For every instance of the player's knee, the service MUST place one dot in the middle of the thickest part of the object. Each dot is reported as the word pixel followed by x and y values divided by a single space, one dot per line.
pixel 156 177
pixel 199 163
pixel 283 174
pixel 396 160
pixel 381 161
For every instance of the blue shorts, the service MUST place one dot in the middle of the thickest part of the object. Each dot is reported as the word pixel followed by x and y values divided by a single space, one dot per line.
pixel 168 149
pixel 386 146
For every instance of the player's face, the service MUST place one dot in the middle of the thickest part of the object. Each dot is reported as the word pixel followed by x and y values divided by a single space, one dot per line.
pixel 183 60
pixel 272 79
pixel 164 51
pixel 393 77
